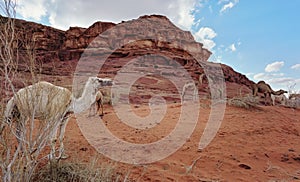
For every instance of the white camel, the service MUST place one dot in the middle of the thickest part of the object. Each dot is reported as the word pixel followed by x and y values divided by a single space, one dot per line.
pixel 281 98
pixel 52 104
pixel 95 107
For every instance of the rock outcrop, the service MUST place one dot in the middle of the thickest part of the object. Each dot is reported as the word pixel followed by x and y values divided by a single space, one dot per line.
pixel 147 35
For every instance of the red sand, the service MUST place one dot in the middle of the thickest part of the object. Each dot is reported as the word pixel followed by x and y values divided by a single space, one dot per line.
pixel 251 145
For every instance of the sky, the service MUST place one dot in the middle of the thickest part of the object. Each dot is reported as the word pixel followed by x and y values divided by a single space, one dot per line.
pixel 257 38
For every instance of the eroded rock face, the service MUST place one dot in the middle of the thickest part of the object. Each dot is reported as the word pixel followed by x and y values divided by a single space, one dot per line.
pixel 128 40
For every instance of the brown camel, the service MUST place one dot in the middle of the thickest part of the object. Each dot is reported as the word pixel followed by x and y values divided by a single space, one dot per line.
pixel 95 107
pixel 266 89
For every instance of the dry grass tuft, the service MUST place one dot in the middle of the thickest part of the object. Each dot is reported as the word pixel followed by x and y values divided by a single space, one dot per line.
pixel 246 102
pixel 293 103
pixel 75 172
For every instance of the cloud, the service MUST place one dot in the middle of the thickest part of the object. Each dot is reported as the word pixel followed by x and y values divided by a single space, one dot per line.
pixel 228 5
pixel 232 48
pixel 274 67
pixel 295 67
pixel 282 80
pixel 63 14
pixel 181 12
pixel 260 76
pixel 32 9
pixel 205 36
pixel 267 76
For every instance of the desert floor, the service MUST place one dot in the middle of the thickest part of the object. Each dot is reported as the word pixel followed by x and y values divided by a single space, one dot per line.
pixel 261 144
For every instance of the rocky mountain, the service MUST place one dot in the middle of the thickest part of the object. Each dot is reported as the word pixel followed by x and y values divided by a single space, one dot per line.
pixel 147 35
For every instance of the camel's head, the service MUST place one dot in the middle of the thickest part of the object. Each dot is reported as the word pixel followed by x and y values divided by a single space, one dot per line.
pixel 106 82
pixel 100 82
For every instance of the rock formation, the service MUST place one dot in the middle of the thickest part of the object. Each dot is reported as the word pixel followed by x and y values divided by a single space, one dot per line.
pixel 57 47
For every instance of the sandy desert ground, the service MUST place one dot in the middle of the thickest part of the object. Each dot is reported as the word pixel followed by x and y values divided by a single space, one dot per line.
pixel 259 144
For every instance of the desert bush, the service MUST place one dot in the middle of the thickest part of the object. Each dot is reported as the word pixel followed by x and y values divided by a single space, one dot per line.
pixel 246 102
pixel 76 172
pixel 293 103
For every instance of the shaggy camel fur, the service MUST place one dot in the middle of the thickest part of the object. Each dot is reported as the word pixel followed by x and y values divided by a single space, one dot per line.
pixel 97 104
pixel 266 89
pixel 50 104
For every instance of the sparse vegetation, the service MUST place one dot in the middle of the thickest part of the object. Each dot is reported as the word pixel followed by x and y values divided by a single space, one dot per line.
pixel 293 101
pixel 246 102
pixel 76 172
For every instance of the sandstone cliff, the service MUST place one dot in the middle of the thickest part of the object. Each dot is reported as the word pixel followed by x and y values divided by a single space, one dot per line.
pixel 125 40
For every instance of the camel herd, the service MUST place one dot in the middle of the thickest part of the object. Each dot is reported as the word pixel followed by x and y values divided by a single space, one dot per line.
pixel 266 89
pixel 259 87
pixel 53 104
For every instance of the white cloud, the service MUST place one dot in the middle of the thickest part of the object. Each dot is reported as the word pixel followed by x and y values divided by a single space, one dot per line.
pixel 259 76
pixel 295 67
pixel 274 67
pixel 249 74
pixel 267 76
pixel 223 1
pixel 205 36
pixel 180 11
pixel 281 80
pixel 232 48
pixel 228 5
pixel 63 14
pixel 32 9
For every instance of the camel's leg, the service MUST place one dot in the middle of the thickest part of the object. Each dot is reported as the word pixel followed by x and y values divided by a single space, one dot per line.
pixel 62 129
pixel 183 93
pixel 53 144
pixel 267 95
pixel 195 94
pixel 100 105
pixel 254 91
pixel 92 110
pixel 273 98
pixel 102 108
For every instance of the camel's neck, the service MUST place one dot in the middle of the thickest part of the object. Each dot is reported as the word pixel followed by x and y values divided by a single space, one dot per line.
pixel 272 91
pixel 276 92
pixel 87 98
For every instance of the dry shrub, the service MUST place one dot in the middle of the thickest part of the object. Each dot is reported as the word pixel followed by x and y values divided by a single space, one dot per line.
pixel 76 172
pixel 246 102
pixel 293 103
